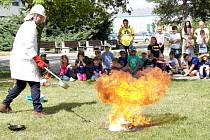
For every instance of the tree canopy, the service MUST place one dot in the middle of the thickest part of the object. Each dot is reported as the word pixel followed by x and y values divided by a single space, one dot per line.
pixel 75 19
pixel 171 11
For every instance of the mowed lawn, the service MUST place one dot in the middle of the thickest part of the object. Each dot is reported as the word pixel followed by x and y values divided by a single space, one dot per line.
pixel 78 114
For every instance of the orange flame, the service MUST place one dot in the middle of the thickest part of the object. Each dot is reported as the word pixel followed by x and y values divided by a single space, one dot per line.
pixel 127 94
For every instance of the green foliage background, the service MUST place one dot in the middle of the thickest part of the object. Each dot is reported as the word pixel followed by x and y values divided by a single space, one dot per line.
pixel 66 20
pixel 8 29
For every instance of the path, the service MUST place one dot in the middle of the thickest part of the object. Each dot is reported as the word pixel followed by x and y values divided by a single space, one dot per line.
pixel 55 58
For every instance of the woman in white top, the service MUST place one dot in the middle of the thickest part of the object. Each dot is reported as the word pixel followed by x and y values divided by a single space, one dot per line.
pixel 187 35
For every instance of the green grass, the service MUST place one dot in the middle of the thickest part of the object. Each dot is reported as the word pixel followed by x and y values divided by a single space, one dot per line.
pixel 183 114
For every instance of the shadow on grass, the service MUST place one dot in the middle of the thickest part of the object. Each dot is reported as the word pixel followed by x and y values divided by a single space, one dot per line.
pixel 161 119
pixel 65 106
pixel 158 120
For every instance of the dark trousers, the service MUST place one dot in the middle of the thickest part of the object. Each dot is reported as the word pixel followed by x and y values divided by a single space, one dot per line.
pixel 19 87
pixel 162 49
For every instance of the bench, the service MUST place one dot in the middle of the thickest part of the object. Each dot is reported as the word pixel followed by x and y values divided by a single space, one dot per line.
pixel 68 46
pixel 46 46
pixel 92 45
pixel 112 43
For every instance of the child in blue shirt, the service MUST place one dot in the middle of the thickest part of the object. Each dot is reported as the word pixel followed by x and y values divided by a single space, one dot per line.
pixel 193 66
pixel 107 58
pixel 97 69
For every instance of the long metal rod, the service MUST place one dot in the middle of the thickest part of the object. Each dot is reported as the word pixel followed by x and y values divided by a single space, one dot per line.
pixel 52 74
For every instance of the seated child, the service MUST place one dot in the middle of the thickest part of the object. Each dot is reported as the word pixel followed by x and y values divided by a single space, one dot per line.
pixel 150 62
pixel 44 73
pixel 204 66
pixel 173 63
pixel 162 63
pixel 80 64
pixel 107 58
pixel 97 69
pixel 193 66
pixel 123 60
pixel 116 65
pixel 144 56
pixel 98 54
pixel 184 64
pixel 133 62
pixel 65 68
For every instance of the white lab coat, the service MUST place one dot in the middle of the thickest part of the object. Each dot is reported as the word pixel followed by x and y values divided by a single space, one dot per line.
pixel 22 65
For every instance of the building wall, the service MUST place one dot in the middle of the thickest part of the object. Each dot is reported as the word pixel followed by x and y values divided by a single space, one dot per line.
pixel 13 9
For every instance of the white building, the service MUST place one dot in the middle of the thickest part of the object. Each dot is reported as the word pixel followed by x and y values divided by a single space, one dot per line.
pixel 13 9
pixel 142 20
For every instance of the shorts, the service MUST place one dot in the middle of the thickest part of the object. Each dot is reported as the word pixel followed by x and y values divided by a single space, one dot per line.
pixel 202 48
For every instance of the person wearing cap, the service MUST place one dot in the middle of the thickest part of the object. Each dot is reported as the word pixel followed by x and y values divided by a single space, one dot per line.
pixel 204 66
pixel 25 61
pixel 126 36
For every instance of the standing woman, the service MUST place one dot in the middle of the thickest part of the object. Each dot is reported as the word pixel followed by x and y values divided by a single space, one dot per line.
pixel 25 61
pixel 187 35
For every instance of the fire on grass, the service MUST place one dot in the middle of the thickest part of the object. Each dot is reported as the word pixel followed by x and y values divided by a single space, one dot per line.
pixel 127 94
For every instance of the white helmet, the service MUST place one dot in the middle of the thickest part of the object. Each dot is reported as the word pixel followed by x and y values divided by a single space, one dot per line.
pixel 38 9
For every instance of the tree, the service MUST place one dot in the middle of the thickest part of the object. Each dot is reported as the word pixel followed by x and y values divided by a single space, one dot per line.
pixel 171 11
pixel 76 19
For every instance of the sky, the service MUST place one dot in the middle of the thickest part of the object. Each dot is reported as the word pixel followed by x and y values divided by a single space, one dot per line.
pixel 135 4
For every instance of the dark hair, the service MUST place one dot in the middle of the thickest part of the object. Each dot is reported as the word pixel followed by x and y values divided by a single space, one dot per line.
pixel 125 20
pixel 122 52
pixel 154 38
pixel 64 57
pixel 150 55
pixel 115 59
pixel 172 53
pixel 174 28
pixel 202 32
pixel 185 26
pixel 80 53
pixel 185 55
pixel 96 59
pixel 143 53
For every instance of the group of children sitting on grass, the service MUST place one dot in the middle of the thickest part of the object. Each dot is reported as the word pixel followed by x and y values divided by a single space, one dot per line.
pixel 92 68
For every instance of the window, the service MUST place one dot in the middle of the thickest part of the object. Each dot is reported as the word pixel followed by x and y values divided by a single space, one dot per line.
pixel 16 3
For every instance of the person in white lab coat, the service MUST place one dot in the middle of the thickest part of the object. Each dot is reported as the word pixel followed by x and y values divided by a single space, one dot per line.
pixel 25 61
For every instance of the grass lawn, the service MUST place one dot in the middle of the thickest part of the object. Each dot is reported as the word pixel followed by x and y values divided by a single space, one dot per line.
pixel 183 114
